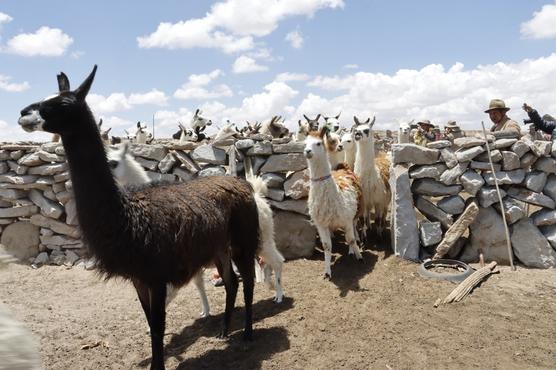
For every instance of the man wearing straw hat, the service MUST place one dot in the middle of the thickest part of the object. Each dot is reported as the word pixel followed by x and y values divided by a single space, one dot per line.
pixel 452 131
pixel 497 112
pixel 424 133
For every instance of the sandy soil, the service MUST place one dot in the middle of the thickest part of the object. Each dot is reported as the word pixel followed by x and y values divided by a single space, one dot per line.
pixel 377 315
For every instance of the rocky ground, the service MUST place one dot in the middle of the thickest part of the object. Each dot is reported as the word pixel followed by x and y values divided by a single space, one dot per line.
pixel 378 314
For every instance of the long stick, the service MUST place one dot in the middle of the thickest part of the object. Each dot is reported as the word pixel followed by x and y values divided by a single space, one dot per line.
pixel 466 286
pixel 503 210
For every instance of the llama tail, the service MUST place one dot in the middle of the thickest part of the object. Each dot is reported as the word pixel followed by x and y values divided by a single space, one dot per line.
pixel 258 184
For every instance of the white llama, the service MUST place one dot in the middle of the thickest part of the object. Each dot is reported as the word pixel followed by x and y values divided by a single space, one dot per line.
pixel 142 135
pixel 334 198
pixel 347 145
pixel 374 174
pixel 127 171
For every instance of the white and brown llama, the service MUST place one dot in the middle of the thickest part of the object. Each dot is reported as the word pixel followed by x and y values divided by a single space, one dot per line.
pixel 374 173
pixel 156 234
pixel 334 198
pixel 347 146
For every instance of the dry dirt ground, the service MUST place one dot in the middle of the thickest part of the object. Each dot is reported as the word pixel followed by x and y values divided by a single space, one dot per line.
pixel 373 315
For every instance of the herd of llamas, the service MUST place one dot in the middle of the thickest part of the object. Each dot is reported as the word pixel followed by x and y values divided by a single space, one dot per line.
pixel 160 236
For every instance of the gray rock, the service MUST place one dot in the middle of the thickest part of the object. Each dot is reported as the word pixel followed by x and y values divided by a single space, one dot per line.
pixel 258 162
pixel 23 211
pixel 510 160
pixel 468 142
pixel 528 160
pixel 549 188
pixel 71 258
pixel 468 154
pixel 291 205
pixel 64 196
pixel 71 212
pixel 48 207
pixel 21 240
pixel 56 226
pixel 487 234
pixel 504 143
pixel 62 177
pixel 275 194
pixel 541 148
pixel 546 164
pixel 285 163
pixel 432 171
pixel 405 234
pixel 530 246
pixel 18 180
pixel 513 210
pixel 182 174
pixel 273 180
pixel 51 146
pixel 553 150
pixel 31 159
pixel 260 148
pixel 430 233
pixel 41 259
pixel 48 169
pixel 520 148
pixel 147 164
pixel 496 156
pixel 188 163
pixel 457 229
pixel 297 185
pixel 17 168
pixel 485 166
pixel 156 152
pixel 209 154
pixel 432 212
pixel 440 144
pixel 224 143
pixel 505 177
pixel 294 234
pixel 531 197
pixel 549 233
pixel 449 177
pixel 4 154
pixel 60 150
pixel 434 188
pixel 281 140
pixel 487 196
pixel 544 217
pixel 161 177
pixel 58 187
pixel 535 181
pixel 49 157
pixel 472 182
pixel 167 163
pixel 3 167
pixel 58 240
pixel 411 153
pixel 448 157
pixel 291 147
pixel 212 171
pixel 452 205
pixel 244 144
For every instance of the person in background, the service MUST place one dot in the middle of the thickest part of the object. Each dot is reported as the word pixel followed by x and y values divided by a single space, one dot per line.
pixel 497 112
pixel 541 123
pixel 424 133
pixel 452 131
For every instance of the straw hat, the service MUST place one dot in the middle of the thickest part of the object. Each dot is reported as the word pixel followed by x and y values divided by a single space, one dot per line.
pixel 451 124
pixel 425 122
pixel 497 104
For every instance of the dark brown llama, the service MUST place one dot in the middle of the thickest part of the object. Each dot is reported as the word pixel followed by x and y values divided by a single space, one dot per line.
pixel 156 234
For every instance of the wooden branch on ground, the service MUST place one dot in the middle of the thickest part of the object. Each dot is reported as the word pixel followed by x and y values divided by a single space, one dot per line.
pixel 466 286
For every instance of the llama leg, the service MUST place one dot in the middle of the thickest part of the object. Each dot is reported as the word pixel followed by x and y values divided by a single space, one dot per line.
pixel 324 234
pixel 158 318
pixel 278 282
pixel 144 298
pixel 200 284
pixel 350 239
pixel 224 268
pixel 171 293
pixel 247 270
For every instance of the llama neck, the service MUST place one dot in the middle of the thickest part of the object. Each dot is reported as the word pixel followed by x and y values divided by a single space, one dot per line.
pixel 99 202
pixel 320 170
pixel 365 160
pixel 350 157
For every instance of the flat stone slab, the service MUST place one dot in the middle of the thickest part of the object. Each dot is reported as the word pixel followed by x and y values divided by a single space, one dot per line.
pixel 430 233
pixel 505 177
pixel 449 177
pixel 504 143
pixel 244 144
pixel 274 180
pixel 468 154
pixel 291 147
pixel 544 217
pixel 439 144
pixel 541 148
pixel 295 235
pixel 432 171
pixel 485 166
pixel 260 148
pixel 56 226
pixel 297 185
pixel 48 207
pixel 471 182
pixel 487 196
pixel 284 163
pixel 156 152
pixel 209 154
pixel 434 188
pixel 496 156
pixel 530 246
pixel 531 197
pixel 452 205
pixel 21 211
pixel 457 229
pixel 411 153
pixel 468 142
pixel 291 205
pixel 432 212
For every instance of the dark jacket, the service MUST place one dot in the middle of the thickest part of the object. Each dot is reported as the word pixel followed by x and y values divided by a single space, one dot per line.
pixel 543 125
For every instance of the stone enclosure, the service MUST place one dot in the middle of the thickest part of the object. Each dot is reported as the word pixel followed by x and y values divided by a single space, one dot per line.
pixel 446 204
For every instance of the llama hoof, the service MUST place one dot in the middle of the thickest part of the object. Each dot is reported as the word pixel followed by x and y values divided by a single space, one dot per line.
pixel 327 276
pixel 277 299
pixel 204 315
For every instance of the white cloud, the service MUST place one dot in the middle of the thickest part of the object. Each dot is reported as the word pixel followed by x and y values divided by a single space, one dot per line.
pixel 436 93
pixel 351 66
pixel 295 39
pixel 12 87
pixel 5 18
pixel 195 87
pixel 46 41
pixel 542 25
pixel 287 76
pixel 13 132
pixel 117 102
pixel 245 64
pixel 232 25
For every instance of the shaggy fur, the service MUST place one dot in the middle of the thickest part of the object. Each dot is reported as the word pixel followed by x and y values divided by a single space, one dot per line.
pixel 374 175
pixel 157 235
pixel 334 198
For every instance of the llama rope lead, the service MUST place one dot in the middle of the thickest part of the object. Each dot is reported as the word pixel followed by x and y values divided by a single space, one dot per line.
pixel 502 209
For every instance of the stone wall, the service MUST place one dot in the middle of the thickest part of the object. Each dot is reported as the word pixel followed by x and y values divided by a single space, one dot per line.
pixel 38 220
pixel 447 192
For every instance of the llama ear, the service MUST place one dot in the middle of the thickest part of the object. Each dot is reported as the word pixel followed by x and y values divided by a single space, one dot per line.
pixel 307 118
pixel 138 124
pixel 63 82
pixel 107 131
pixel 372 122
pixel 197 112
pixel 356 120
pixel 367 120
pixel 318 117
pixel 338 116
pixel 100 123
pixel 85 86
pixel 299 123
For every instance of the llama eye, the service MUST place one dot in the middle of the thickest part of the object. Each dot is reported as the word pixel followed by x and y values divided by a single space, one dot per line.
pixel 318 144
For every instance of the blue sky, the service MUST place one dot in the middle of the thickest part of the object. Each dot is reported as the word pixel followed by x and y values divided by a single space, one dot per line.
pixel 248 60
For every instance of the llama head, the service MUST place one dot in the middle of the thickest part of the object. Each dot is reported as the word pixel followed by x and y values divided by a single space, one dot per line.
pixel 142 135
pixel 333 123
pixel 187 134
pixel 104 134
pixel 315 147
pixel 59 113
pixel 332 142
pixel 364 130
pixel 198 121
pixel 118 159
pixel 277 128
pixel 313 123
pixel 346 142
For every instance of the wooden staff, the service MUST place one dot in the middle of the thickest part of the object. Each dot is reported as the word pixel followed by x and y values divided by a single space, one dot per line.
pixel 506 230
